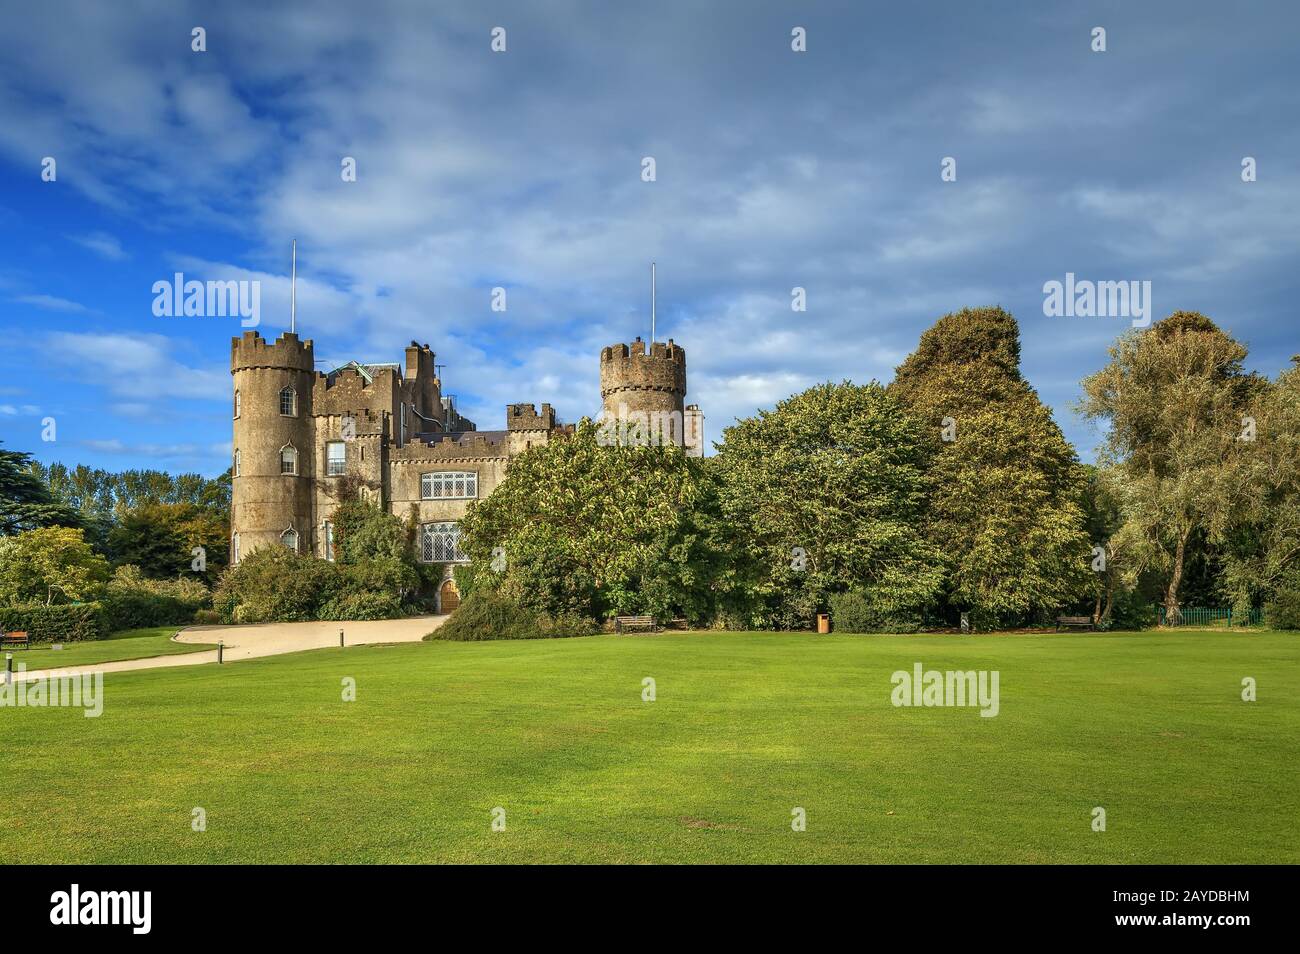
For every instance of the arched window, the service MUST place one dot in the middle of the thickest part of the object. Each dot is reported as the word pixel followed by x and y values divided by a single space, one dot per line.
pixel 290 539
pixel 237 404
pixel 236 473
pixel 289 402
pixel 288 459
pixel 234 548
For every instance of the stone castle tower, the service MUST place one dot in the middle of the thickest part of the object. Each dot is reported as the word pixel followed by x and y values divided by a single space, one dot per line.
pixel 634 382
pixel 272 416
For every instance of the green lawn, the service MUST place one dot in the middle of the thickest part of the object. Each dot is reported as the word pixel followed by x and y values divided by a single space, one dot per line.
pixel 127 644
pixel 745 727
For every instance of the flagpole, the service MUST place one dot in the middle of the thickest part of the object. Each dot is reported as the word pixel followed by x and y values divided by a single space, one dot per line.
pixel 293 291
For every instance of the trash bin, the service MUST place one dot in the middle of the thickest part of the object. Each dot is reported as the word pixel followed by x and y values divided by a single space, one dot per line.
pixel 823 622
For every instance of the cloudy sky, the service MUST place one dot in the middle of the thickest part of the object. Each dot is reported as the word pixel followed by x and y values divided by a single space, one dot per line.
pixel 523 170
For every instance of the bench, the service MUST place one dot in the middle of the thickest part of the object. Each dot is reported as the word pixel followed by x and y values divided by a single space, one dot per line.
pixel 626 624
pixel 16 639
pixel 1083 622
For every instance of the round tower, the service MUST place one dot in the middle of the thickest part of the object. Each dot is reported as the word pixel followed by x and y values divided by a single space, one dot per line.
pixel 633 381
pixel 274 449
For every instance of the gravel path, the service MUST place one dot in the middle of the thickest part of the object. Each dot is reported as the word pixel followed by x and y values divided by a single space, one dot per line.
pixel 266 639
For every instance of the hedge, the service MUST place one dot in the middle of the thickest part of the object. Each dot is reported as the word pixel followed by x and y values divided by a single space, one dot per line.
pixel 56 624
pixel 486 615
pixel 137 610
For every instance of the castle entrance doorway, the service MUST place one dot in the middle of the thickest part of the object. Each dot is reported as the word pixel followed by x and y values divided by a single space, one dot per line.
pixel 448 596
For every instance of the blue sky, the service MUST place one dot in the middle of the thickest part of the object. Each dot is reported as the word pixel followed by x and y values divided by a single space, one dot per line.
pixel 523 169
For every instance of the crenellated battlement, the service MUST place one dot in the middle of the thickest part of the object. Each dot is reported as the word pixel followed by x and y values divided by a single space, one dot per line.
pixel 524 417
pixel 254 351
pixel 658 350
pixel 629 368
pixel 468 447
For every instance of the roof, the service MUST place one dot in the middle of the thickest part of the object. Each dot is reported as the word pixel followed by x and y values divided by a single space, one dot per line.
pixel 367 371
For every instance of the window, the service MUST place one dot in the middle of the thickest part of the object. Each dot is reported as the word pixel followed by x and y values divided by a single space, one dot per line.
pixel 288 459
pixel 289 402
pixel 440 543
pixel 236 402
pixel 290 539
pixel 234 548
pixel 336 455
pixel 236 462
pixel 453 484
pixel 329 540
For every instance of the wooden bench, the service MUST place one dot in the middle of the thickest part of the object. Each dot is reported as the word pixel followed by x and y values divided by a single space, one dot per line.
pixel 626 624
pixel 1083 622
pixel 16 639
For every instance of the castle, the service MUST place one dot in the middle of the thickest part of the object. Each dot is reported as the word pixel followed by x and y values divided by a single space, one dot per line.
pixel 304 438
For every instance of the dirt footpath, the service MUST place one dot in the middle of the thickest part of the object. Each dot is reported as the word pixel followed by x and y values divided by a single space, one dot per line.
pixel 266 639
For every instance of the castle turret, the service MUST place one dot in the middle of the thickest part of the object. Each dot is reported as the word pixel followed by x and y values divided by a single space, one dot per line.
pixel 633 380
pixel 274 446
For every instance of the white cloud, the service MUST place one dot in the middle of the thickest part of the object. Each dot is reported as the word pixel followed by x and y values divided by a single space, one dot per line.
pixel 124 364
pixel 52 303
pixel 102 244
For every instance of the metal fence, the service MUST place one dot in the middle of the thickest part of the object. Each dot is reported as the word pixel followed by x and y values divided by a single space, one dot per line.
pixel 1208 616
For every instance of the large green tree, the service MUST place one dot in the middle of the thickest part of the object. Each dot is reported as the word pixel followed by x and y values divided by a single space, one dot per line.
pixel 1005 506
pixel 1260 525
pixel 160 539
pixel 826 493
pixel 1174 398
pixel 25 501
pixel 49 565
pixel 581 528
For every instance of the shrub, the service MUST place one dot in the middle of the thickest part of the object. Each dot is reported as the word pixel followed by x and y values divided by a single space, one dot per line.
pixel 361 605
pixel 206 617
pixel 486 615
pixel 74 623
pixel 853 612
pixel 132 601
pixel 273 584
pixel 1284 610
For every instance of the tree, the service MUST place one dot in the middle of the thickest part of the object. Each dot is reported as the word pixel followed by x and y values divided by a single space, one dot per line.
pixel 1261 520
pixel 827 493
pixel 364 531
pixel 1005 508
pixel 25 501
pixel 578 528
pixel 160 539
pixel 1174 397
pixel 49 565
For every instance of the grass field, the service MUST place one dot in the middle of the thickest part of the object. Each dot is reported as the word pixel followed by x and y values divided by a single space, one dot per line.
pixel 126 644
pixel 745 727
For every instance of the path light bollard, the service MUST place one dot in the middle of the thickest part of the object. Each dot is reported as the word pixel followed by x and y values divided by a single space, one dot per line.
pixel 9 668
pixel 221 646
pixel 340 639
